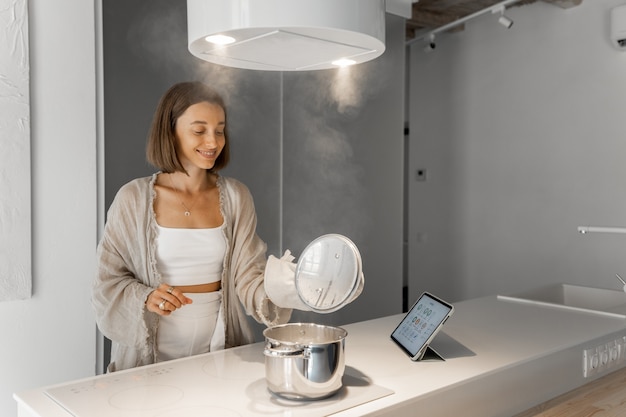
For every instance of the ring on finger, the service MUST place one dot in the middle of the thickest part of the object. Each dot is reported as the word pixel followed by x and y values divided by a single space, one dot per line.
pixel 170 289
pixel 162 305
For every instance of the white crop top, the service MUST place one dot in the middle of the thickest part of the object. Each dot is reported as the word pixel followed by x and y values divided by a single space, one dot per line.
pixel 190 256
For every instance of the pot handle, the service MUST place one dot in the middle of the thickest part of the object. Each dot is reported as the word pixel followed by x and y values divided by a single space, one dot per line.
pixel 276 353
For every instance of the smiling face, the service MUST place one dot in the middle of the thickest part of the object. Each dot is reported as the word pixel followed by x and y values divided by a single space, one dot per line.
pixel 200 135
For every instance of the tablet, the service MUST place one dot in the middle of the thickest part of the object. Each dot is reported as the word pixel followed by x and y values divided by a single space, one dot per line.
pixel 421 324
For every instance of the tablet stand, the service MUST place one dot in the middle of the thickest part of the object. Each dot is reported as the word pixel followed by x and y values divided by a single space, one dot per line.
pixel 430 354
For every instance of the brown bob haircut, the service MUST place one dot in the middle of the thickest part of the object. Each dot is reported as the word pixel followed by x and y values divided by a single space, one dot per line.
pixel 161 148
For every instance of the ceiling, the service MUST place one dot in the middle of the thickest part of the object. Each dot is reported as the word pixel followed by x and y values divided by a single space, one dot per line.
pixel 431 14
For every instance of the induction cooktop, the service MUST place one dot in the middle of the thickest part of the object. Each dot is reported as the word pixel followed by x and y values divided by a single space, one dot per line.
pixel 229 383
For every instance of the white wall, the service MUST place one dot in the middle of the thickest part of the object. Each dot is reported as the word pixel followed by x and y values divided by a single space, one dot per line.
pixel 522 132
pixel 50 338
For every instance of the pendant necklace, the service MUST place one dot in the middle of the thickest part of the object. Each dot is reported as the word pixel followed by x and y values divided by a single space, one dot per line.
pixel 187 209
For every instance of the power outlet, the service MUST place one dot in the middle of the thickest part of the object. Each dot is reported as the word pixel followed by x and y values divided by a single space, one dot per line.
pixel 613 351
pixel 600 358
pixel 603 358
pixel 591 362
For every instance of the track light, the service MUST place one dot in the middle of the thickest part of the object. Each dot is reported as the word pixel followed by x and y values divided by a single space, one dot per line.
pixel 429 37
pixel 503 20
pixel 430 43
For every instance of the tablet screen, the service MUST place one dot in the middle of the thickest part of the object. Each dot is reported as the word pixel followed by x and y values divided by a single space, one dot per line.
pixel 421 324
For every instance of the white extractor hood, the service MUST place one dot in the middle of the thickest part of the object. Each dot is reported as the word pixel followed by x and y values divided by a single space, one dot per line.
pixel 286 35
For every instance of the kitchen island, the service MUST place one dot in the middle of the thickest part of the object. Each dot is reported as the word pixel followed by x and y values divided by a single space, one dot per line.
pixel 501 358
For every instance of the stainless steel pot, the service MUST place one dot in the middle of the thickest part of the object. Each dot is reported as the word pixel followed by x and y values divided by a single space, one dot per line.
pixel 304 361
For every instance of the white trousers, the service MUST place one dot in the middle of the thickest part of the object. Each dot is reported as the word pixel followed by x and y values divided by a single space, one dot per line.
pixel 193 329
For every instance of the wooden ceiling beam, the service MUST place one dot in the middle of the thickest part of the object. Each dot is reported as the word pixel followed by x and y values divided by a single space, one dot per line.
pixel 431 14
pixel 565 4
pixel 430 19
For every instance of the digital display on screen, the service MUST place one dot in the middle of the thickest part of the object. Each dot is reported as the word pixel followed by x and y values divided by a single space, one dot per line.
pixel 421 324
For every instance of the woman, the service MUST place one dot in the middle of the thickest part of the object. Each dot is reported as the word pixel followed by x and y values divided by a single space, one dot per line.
pixel 180 264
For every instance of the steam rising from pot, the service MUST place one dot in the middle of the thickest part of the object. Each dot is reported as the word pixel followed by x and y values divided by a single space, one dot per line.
pixel 323 181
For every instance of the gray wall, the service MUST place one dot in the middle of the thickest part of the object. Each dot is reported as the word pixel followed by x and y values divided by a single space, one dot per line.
pixel 320 151
pixel 522 133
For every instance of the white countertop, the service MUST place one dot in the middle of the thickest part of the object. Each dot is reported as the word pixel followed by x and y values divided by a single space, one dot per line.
pixel 493 348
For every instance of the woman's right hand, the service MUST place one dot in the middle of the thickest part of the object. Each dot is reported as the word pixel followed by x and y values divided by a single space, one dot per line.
pixel 165 299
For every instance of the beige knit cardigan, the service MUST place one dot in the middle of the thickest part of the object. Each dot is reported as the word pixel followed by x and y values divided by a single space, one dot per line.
pixel 127 273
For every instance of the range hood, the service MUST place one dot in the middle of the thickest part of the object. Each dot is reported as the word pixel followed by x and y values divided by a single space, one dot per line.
pixel 286 35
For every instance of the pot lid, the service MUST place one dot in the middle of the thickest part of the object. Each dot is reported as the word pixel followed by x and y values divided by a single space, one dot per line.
pixel 327 273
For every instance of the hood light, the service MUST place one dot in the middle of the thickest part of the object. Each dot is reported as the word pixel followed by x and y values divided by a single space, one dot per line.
pixel 220 39
pixel 286 35
pixel 343 62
